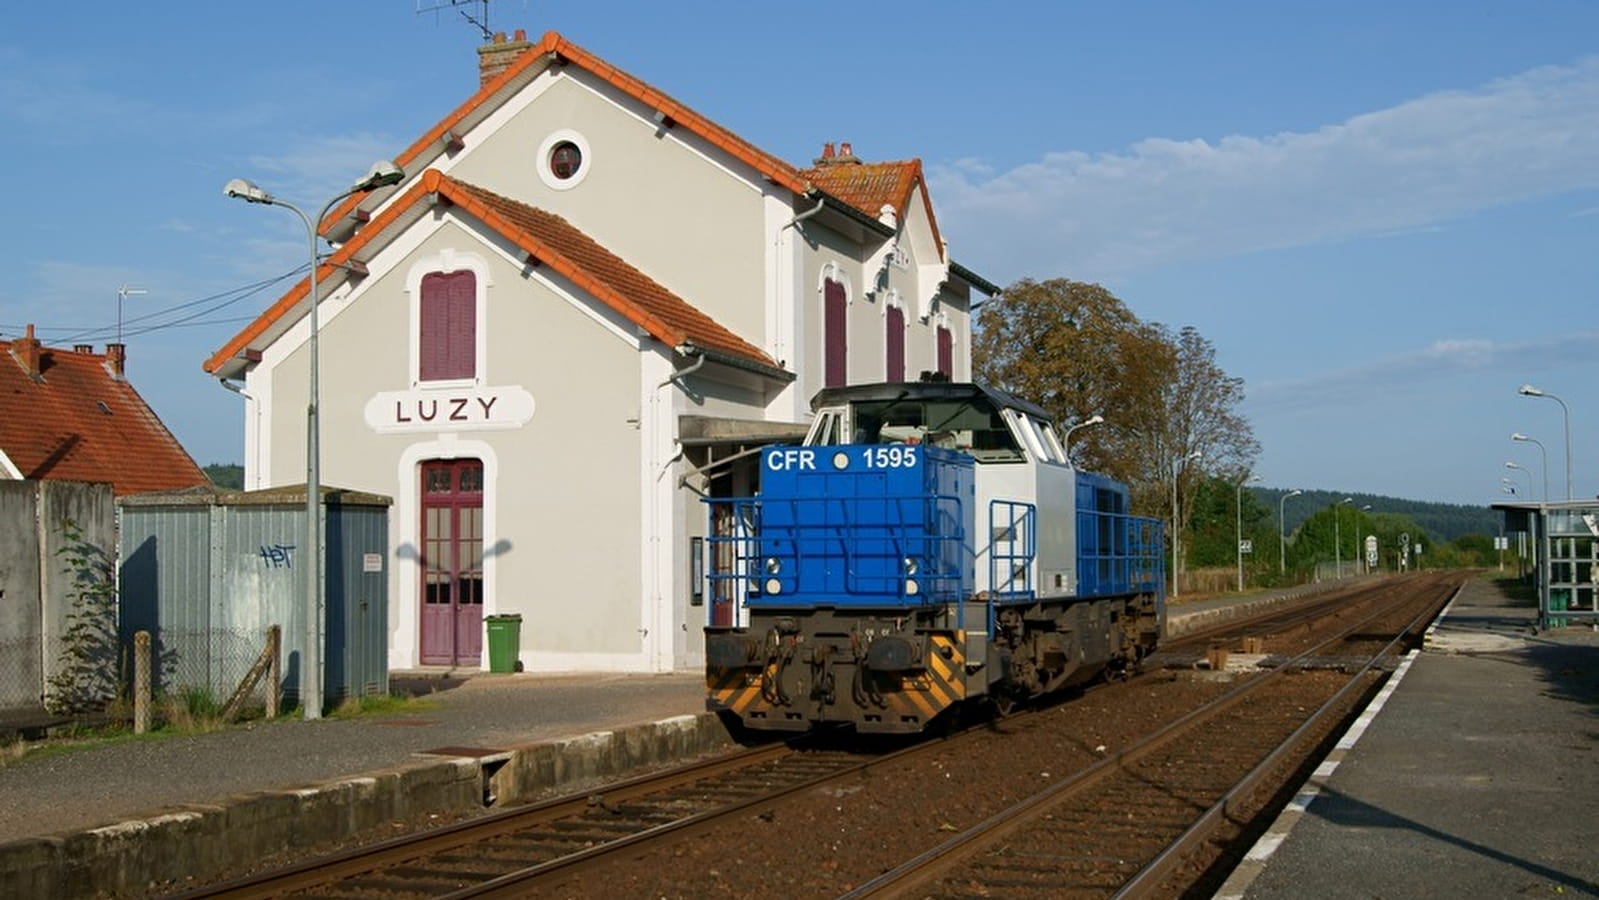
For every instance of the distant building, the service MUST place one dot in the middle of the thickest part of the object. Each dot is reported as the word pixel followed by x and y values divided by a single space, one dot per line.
pixel 574 318
pixel 72 415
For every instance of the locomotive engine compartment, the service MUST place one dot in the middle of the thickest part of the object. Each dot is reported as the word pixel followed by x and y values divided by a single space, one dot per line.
pixel 927 546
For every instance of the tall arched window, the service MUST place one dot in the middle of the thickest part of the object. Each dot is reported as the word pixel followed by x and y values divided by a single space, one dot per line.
pixel 894 342
pixel 448 339
pixel 946 352
pixel 835 310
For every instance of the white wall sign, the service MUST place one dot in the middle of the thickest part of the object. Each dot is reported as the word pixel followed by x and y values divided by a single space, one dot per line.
pixel 442 409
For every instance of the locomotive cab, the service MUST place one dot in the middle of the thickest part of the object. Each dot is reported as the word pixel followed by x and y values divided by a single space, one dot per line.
pixel 921 550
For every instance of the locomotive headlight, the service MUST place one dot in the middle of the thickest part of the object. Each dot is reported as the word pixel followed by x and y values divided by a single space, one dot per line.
pixel 841 460
pixel 773 586
pixel 912 566
pixel 911 588
pixel 773 565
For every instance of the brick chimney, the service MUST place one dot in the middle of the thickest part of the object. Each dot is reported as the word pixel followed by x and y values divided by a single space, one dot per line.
pixel 116 357
pixel 844 154
pixel 497 55
pixel 27 352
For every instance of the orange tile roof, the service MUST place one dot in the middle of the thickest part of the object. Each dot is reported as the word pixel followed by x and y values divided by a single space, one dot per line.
pixel 550 240
pixel 870 186
pixel 78 422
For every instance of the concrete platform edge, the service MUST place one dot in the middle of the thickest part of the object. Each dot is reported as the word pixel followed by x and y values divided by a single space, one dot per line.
pixel 205 841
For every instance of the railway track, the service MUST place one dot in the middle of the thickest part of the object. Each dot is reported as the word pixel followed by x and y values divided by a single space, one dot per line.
pixel 1146 821
pixel 581 845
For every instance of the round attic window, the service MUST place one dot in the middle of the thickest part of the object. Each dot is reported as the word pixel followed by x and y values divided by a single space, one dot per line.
pixel 564 160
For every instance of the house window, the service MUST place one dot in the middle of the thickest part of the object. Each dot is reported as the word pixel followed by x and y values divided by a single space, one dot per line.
pixel 565 159
pixel 448 325
pixel 946 352
pixel 835 308
pixel 894 342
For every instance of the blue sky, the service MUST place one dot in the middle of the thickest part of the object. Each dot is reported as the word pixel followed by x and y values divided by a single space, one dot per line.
pixel 1385 216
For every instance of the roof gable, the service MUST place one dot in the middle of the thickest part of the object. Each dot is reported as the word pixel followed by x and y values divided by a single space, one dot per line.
pixel 76 420
pixel 546 239
pixel 554 50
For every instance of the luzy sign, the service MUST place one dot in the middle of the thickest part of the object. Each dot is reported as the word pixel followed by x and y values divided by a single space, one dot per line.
pixel 441 409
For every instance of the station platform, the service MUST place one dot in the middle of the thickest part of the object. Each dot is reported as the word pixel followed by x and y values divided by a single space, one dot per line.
pixel 1474 773
pixel 1517 721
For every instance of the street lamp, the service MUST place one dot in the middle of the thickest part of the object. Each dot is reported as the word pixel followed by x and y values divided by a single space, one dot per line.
pixel 382 174
pixel 1282 540
pixel 1176 518
pixel 1528 390
pixel 1066 442
pixel 1518 436
pixel 1238 526
pixel 1338 538
pixel 1510 464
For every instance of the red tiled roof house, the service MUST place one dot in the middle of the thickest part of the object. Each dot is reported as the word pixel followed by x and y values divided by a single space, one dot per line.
pixel 71 415
pixel 562 329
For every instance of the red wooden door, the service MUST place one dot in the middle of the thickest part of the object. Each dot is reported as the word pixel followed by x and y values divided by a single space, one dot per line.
pixel 452 562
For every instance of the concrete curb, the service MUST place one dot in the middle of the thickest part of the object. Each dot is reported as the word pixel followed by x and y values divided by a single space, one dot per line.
pixel 1180 622
pixel 168 846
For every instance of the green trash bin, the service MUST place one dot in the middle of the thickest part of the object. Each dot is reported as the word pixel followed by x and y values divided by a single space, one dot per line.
pixel 505 636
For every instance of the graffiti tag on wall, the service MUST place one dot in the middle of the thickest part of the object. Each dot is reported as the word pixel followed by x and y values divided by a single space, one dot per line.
pixel 277 556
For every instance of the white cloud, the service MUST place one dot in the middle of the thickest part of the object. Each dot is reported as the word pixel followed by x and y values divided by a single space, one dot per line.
pixel 1441 361
pixel 1163 200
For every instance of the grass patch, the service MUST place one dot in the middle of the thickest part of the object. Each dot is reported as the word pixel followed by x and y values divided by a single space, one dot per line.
pixel 187 712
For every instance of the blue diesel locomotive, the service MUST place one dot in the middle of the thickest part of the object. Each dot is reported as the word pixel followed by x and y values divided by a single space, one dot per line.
pixel 928 545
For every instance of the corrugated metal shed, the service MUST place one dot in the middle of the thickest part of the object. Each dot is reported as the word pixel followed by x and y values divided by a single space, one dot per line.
pixel 207 571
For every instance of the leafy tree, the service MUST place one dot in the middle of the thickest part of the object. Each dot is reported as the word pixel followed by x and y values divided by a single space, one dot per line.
pixel 1077 350
pixel 225 475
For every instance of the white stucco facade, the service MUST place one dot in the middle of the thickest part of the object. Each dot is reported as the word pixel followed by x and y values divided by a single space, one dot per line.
pixel 590 494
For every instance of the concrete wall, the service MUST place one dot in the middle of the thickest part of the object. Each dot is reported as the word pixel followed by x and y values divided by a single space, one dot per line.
pixel 37 589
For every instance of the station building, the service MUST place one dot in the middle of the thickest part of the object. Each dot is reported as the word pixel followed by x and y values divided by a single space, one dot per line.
pixel 582 308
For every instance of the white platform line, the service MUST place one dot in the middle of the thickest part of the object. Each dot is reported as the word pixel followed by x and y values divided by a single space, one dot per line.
pixel 1255 860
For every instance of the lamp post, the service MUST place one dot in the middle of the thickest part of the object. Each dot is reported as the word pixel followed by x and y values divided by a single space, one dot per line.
pixel 1518 436
pixel 1066 442
pixel 382 174
pixel 1238 525
pixel 1338 538
pixel 1511 464
pixel 1176 518
pixel 1528 390
pixel 1282 539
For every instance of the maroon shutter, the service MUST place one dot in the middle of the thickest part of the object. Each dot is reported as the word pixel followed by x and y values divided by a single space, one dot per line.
pixel 946 352
pixel 836 368
pixel 448 342
pixel 894 323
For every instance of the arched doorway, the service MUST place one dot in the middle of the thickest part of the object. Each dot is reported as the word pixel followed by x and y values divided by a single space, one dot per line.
pixel 452 562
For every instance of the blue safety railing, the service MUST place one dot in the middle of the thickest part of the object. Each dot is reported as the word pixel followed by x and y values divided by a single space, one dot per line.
pixel 1119 554
pixel 839 551
pixel 1012 547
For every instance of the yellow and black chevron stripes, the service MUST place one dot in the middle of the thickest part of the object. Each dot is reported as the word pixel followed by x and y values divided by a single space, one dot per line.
pixel 897 701
pixel 738 690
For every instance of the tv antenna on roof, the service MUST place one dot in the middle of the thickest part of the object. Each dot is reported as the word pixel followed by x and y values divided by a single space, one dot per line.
pixel 481 20
pixel 124 293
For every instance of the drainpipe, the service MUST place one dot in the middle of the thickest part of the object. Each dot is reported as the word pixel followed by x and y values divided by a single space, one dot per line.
pixel 794 223
pixel 253 461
